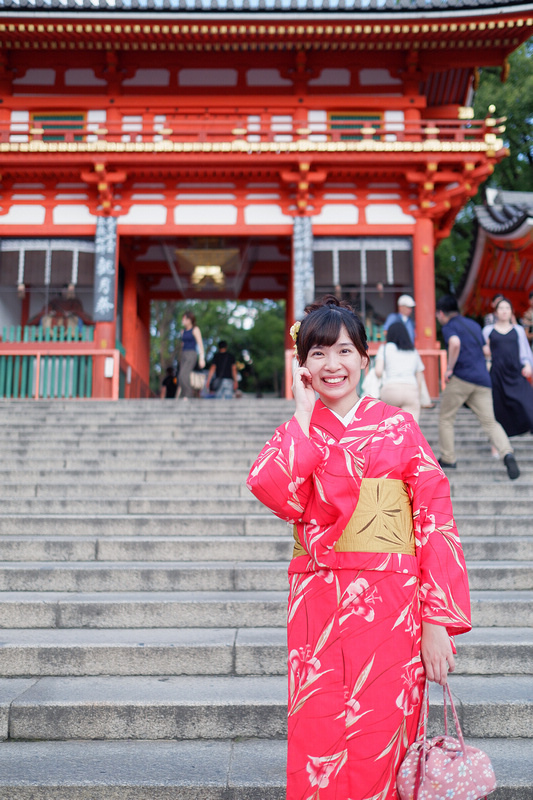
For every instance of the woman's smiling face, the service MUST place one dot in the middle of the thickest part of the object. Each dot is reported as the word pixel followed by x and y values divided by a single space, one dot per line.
pixel 336 371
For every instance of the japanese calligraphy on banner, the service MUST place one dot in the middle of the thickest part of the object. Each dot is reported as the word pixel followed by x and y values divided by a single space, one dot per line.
pixel 104 269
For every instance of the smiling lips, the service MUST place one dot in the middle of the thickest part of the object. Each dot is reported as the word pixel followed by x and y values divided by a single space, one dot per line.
pixel 333 381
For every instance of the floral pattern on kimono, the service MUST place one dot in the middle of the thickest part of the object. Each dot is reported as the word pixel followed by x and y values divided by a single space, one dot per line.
pixel 354 618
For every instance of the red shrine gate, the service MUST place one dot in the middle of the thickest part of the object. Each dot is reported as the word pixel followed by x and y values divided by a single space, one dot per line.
pixel 203 151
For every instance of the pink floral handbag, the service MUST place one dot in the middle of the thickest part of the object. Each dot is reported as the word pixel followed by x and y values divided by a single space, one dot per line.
pixel 444 768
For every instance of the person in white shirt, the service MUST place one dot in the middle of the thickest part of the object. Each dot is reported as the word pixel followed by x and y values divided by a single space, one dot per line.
pixel 400 367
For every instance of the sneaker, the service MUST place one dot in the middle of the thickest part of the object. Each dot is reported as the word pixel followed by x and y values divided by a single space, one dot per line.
pixel 446 464
pixel 512 467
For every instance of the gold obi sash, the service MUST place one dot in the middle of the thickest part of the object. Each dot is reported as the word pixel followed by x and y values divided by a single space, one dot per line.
pixel 381 523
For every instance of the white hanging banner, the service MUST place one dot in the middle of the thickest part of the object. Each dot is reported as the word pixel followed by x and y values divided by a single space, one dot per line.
pixel 104 269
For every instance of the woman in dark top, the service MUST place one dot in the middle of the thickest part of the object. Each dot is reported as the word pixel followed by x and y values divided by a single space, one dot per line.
pixel 512 393
pixel 192 350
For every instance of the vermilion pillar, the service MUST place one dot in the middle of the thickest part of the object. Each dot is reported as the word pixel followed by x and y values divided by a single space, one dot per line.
pixel 129 315
pixel 424 288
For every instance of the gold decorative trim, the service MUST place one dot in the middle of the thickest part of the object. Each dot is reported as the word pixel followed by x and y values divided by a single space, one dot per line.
pixel 241 146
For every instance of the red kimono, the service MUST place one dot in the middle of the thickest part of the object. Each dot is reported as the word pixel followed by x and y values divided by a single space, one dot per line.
pixel 376 552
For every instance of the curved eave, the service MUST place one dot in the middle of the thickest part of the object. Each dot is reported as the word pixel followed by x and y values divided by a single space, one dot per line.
pixel 520 231
pixel 494 228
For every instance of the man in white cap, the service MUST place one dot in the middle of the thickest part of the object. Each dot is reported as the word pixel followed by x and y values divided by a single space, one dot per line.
pixel 404 314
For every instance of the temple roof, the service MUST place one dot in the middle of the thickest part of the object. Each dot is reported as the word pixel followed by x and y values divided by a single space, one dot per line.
pixel 369 7
pixel 505 211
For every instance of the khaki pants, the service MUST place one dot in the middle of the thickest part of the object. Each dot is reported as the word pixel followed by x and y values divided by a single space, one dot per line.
pixel 403 395
pixel 479 400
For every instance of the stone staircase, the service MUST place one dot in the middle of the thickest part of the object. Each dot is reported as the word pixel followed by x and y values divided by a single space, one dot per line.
pixel 143 593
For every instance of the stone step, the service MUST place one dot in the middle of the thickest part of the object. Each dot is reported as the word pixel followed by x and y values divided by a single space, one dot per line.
pixel 75 461
pixel 115 609
pixel 76 576
pixel 152 506
pixel 33 609
pixel 249 769
pixel 256 524
pixel 128 488
pixel 244 504
pixel 138 473
pixel 215 651
pixel 130 524
pixel 217 548
pixel 220 707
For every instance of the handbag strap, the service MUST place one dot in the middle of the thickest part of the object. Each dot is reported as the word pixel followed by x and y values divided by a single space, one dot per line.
pixel 424 720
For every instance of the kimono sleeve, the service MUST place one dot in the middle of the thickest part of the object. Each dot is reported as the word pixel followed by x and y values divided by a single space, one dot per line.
pixel 281 475
pixel 444 592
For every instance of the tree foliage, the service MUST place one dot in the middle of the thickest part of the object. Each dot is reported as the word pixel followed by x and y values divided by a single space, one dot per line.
pixel 512 99
pixel 249 327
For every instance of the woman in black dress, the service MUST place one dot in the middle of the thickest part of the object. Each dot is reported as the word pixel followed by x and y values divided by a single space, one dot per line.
pixel 512 394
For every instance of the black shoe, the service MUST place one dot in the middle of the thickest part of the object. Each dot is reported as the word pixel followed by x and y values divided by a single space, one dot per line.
pixel 446 465
pixel 512 467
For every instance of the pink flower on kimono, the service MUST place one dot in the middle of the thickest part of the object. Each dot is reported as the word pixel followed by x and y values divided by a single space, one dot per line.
pixel 320 769
pixel 302 665
pixel 295 484
pixel 391 427
pixel 325 574
pixel 423 530
pixel 409 698
pixel 359 601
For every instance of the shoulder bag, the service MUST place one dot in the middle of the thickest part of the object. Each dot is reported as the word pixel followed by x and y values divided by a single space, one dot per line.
pixel 444 767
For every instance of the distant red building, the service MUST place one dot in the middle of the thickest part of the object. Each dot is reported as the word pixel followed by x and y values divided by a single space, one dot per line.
pixel 233 150
pixel 502 256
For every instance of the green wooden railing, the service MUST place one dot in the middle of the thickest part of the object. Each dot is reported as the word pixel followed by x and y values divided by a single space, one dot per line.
pixel 59 376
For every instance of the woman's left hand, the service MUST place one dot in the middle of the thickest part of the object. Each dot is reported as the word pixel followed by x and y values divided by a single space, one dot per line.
pixel 436 652
pixel 527 371
pixel 201 363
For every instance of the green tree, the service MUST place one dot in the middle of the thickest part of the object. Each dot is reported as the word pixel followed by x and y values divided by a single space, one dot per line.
pixel 253 326
pixel 512 99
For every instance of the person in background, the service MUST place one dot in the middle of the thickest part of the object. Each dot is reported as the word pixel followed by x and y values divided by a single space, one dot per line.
pixel 378 582
pixel 192 350
pixel 400 367
pixel 511 370
pixel 527 320
pixel 467 382
pixel 169 386
pixel 406 305
pixel 490 318
pixel 222 375
pixel 404 314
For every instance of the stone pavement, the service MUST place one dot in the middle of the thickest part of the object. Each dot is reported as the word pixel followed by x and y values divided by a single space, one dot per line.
pixel 143 593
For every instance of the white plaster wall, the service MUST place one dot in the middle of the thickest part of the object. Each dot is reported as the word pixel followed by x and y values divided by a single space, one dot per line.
pixel 73 215
pixel 140 214
pixel 337 214
pixel 24 215
pixel 201 214
pixel 266 214
pixel 387 214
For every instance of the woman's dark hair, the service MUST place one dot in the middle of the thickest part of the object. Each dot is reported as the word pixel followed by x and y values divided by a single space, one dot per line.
pixel 399 335
pixel 503 300
pixel 322 325
pixel 190 316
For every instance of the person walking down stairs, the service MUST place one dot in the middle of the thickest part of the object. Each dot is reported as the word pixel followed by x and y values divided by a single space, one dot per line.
pixel 467 382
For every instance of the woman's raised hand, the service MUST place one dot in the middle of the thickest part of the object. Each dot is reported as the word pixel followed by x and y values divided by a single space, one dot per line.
pixel 304 395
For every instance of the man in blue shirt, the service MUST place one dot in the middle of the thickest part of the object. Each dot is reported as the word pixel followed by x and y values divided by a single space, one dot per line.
pixel 467 382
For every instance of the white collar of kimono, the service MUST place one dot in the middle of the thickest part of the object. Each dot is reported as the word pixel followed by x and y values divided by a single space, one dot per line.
pixel 349 416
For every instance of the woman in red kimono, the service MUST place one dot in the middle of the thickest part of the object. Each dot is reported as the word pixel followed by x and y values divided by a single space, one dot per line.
pixel 378 581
